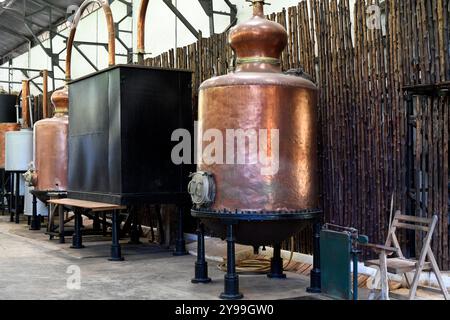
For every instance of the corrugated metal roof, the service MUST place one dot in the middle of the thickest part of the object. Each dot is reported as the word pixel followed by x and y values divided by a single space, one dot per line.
pixel 14 33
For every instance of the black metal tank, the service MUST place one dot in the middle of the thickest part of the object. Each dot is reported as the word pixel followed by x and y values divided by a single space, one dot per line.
pixel 7 108
pixel 121 122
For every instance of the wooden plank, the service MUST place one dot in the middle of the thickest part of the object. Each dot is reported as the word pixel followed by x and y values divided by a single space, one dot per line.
pixel 94 206
pixel 378 248
pixel 413 219
pixel 409 226
pixel 399 265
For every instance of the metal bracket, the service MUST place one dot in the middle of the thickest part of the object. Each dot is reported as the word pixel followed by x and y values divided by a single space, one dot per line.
pixel 180 16
pixel 129 14
pixel 208 7
pixel 25 72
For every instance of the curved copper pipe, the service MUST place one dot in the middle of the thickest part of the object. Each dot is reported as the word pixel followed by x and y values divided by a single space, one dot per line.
pixel 141 31
pixel 45 93
pixel 111 34
pixel 25 103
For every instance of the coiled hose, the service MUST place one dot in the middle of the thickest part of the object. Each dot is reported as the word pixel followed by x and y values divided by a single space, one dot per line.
pixel 256 265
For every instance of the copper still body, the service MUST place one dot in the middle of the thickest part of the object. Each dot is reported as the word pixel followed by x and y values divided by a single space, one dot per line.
pixel 258 98
pixel 50 147
pixel 50 172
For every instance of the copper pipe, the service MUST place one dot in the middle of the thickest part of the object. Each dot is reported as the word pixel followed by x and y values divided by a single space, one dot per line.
pixel 258 8
pixel 111 34
pixel 25 103
pixel 141 31
pixel 45 93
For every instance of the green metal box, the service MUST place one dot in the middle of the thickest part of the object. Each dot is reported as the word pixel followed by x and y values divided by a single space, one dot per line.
pixel 335 258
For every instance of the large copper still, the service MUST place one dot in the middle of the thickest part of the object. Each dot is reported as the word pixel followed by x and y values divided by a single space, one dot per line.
pixel 51 135
pixel 261 101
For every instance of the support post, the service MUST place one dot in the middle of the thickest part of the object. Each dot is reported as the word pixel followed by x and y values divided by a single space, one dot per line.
pixel 11 192
pixel 77 241
pixel 17 198
pixel 231 285
pixel 355 253
pixel 384 276
pixel 410 173
pixel 135 231
pixel 162 234
pixel 35 219
pixel 276 264
pixel 180 245
pixel 315 276
pixel 51 217
pixel 116 250
pixel 104 227
pixel 2 200
pixel 201 266
pixel 96 222
pixel 61 223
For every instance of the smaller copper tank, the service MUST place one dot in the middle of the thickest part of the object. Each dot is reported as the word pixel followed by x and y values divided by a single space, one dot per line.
pixel 50 147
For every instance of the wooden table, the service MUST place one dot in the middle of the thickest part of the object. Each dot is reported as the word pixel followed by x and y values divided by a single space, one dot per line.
pixel 79 207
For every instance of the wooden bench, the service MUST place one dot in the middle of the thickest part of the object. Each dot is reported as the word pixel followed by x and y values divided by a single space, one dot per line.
pixel 81 207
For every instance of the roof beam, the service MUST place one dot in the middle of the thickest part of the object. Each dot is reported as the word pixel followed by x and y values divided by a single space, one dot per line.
pixel 48 4
pixel 14 33
pixel 22 18
pixel 5 6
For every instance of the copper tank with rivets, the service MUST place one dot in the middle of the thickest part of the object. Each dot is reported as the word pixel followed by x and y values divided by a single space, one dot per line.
pixel 266 123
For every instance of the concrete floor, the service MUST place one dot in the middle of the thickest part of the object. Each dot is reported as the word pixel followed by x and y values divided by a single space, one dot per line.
pixel 32 267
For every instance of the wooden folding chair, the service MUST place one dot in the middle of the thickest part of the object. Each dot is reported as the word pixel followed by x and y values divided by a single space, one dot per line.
pixel 401 265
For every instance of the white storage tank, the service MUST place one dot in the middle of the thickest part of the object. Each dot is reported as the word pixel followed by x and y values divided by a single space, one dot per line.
pixel 18 150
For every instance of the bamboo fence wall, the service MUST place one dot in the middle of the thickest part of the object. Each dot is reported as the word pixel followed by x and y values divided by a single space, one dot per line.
pixel 361 72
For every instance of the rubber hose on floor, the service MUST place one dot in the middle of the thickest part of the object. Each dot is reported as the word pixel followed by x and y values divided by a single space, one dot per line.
pixel 256 265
